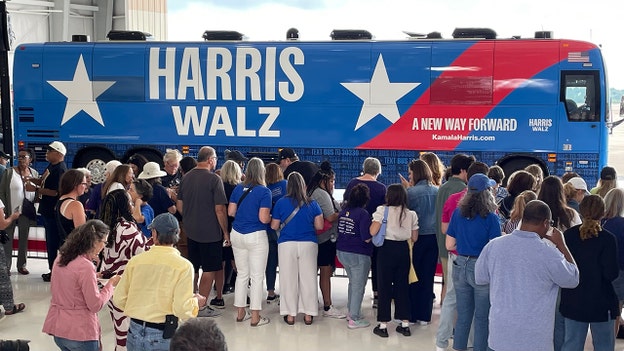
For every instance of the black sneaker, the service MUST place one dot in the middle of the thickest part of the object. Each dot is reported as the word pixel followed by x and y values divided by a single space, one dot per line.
pixel 381 332
pixel 217 303
pixel 275 299
pixel 403 330
pixel 46 277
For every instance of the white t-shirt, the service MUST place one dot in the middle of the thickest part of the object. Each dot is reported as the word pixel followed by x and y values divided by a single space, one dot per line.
pixel 395 230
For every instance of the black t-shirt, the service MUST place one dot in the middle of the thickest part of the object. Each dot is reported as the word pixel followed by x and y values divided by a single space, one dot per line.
pixel 52 180
pixel 306 168
pixel 171 180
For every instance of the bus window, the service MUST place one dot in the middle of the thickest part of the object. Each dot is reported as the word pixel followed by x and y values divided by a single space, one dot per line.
pixel 580 97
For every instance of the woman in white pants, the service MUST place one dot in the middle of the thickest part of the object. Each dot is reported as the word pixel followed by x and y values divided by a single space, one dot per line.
pixel 250 205
pixel 298 217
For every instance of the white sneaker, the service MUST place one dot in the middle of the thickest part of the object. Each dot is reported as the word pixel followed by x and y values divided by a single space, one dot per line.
pixel 438 348
pixel 399 322
pixel 207 311
pixel 423 323
pixel 333 312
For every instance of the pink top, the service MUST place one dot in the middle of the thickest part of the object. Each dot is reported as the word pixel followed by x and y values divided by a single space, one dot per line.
pixel 76 300
pixel 449 207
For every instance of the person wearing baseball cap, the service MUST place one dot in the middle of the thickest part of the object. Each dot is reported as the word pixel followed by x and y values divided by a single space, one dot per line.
pixel 289 162
pixel 162 277
pixel 473 224
pixel 58 147
pixel 575 190
pixel 608 181
pixel 47 190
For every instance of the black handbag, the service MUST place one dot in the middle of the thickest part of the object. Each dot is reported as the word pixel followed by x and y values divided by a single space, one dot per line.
pixel 4 237
pixel 28 209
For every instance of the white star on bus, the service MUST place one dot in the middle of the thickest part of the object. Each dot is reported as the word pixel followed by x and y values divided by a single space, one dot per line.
pixel 379 96
pixel 81 93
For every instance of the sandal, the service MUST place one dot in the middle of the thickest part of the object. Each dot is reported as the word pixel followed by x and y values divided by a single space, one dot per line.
pixel 288 321
pixel 308 321
pixel 17 308
pixel 261 321
pixel 245 317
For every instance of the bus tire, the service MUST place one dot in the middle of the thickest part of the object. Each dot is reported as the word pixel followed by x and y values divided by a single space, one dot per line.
pixel 152 155
pixel 512 164
pixel 94 160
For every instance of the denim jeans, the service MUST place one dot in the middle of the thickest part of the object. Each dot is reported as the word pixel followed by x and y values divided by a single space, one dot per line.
pixel 73 345
pixel 559 332
pixel 603 335
pixel 142 338
pixel 473 302
pixel 357 267
pixel 449 308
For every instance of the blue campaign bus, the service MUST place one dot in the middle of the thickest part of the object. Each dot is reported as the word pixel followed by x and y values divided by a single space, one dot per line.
pixel 511 102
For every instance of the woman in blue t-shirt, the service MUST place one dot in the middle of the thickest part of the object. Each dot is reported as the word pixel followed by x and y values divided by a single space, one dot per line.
pixel 473 224
pixel 354 251
pixel 250 205
pixel 298 217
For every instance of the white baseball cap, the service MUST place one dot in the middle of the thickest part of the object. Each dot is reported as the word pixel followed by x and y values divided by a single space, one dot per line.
pixel 58 146
pixel 579 184
pixel 110 167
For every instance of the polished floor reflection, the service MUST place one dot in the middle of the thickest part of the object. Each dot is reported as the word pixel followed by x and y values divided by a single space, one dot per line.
pixel 324 334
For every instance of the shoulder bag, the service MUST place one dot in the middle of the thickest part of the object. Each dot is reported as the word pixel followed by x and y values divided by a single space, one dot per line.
pixel 28 207
pixel 283 224
pixel 378 239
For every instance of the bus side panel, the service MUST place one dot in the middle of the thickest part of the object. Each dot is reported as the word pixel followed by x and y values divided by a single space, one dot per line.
pixel 27 73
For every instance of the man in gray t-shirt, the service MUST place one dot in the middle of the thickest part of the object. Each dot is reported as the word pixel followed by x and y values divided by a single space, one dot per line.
pixel 202 202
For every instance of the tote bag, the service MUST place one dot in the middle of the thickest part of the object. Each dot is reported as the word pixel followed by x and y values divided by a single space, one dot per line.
pixel 378 239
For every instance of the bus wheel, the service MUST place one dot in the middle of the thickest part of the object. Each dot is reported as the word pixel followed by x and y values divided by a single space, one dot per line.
pixel 97 168
pixel 95 161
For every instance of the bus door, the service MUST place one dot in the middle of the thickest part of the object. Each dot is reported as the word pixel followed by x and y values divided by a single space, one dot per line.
pixel 581 125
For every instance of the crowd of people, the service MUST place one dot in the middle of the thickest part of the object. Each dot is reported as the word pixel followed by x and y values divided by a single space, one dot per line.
pixel 530 260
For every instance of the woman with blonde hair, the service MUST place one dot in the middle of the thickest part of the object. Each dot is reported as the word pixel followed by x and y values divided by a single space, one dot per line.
pixel 608 181
pixel 593 303
pixel 250 205
pixel 231 174
pixel 518 210
pixel 538 173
